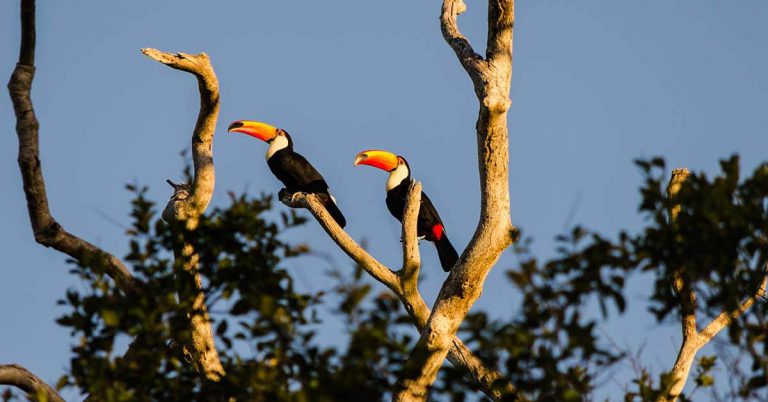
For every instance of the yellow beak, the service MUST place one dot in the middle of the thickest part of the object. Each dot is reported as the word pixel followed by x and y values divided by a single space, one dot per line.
pixel 262 131
pixel 383 160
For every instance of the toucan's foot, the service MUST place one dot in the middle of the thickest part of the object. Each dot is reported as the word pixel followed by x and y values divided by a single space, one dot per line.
pixel 284 194
pixel 286 197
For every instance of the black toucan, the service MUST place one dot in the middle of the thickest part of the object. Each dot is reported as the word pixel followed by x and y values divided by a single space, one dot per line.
pixel 429 226
pixel 296 173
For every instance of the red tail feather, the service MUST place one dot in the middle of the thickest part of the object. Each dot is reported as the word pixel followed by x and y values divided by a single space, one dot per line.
pixel 437 231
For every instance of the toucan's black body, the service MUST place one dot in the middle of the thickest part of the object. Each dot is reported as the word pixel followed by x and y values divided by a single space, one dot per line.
pixel 429 224
pixel 298 175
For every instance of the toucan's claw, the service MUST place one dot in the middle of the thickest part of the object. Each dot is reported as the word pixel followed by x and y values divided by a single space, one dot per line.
pixel 284 195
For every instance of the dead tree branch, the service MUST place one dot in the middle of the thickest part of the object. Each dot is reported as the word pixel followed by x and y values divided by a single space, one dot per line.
pixel 404 283
pixel 50 233
pixel 409 274
pixel 47 231
pixel 36 389
pixel 491 77
pixel 189 202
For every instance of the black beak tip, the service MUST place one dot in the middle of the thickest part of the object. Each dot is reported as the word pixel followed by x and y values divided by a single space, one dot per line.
pixel 235 125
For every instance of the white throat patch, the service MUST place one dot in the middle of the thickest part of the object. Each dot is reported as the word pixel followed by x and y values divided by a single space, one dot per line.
pixel 277 144
pixel 397 176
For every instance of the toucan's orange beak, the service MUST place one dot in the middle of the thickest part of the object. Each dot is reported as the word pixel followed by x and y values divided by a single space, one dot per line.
pixel 383 160
pixel 262 131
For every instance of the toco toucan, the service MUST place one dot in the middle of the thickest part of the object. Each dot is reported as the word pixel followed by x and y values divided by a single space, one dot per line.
pixel 296 173
pixel 429 225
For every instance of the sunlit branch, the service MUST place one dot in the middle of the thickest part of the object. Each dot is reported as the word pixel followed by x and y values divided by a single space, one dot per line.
pixel 189 202
pixel 403 283
pixel 36 389
pixel 491 78
pixel 725 318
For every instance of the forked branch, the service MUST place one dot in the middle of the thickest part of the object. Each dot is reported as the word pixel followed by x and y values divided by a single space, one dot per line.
pixel 404 283
pixel 491 77
pixel 693 340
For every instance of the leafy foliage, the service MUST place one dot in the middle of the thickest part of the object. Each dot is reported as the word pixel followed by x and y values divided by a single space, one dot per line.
pixel 267 331
pixel 718 244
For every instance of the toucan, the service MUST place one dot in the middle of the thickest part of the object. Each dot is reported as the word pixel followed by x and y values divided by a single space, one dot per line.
pixel 429 224
pixel 296 173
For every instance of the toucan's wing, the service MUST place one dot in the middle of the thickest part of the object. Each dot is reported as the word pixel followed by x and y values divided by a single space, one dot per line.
pixel 303 177
pixel 428 212
pixel 297 173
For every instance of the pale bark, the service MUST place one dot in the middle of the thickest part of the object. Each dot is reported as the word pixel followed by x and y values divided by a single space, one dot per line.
pixel 693 340
pixel 189 202
pixel 404 283
pixel 36 389
pixel 491 77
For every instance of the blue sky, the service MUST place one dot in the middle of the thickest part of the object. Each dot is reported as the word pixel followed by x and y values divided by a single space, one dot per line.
pixel 595 85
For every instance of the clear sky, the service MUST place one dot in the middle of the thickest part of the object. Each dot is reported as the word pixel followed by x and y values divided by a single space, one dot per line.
pixel 595 85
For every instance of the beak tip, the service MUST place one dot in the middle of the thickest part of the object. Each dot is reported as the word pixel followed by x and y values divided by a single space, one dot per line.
pixel 234 125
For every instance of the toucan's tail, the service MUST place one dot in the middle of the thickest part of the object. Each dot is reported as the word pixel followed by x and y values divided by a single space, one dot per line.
pixel 446 252
pixel 330 206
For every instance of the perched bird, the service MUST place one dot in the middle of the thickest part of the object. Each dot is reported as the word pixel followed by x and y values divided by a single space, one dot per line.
pixel 296 173
pixel 429 224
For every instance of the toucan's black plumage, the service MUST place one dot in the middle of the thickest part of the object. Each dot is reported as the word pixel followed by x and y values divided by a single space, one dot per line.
pixel 297 174
pixel 429 225
pixel 290 167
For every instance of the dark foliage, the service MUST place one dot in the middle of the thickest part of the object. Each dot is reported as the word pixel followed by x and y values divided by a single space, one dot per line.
pixel 549 347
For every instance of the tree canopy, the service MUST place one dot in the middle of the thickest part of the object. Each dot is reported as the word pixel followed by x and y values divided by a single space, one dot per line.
pixel 203 308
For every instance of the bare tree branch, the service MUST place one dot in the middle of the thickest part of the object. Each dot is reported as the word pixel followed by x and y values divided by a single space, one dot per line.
pixel 471 61
pixel 491 78
pixel 36 389
pixel 682 286
pixel 404 283
pixel 189 202
pixel 725 318
pixel 195 199
pixel 372 266
pixel 47 231
pixel 693 340
pixel 409 274
pixel 490 381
